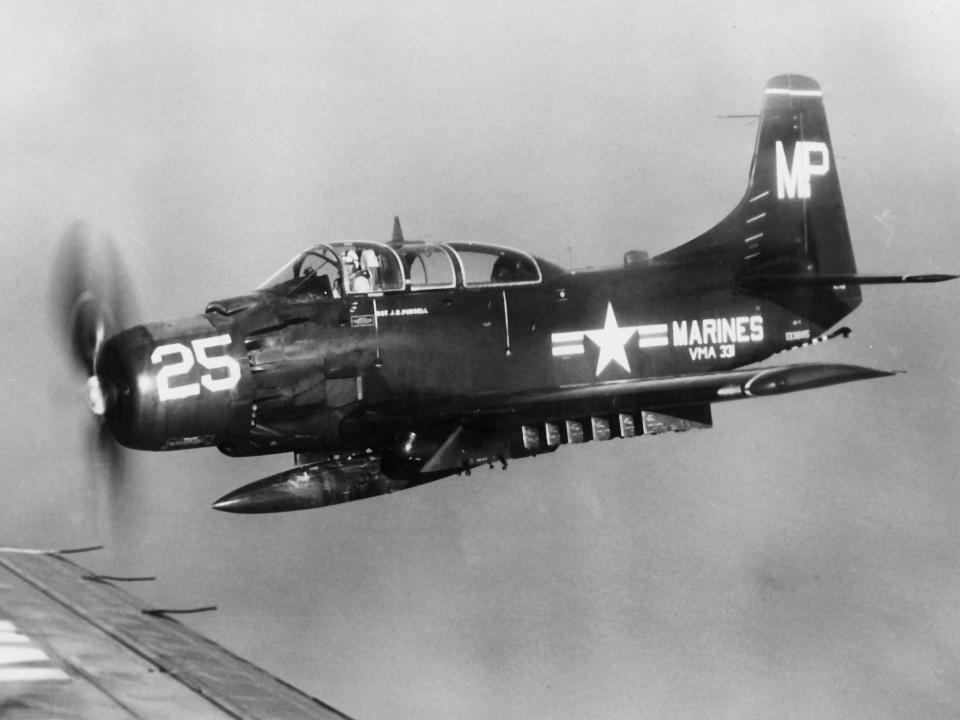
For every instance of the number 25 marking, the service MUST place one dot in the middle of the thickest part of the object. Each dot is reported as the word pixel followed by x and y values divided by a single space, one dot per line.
pixel 184 365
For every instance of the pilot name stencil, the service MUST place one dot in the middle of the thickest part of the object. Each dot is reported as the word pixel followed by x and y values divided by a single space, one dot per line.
pixel 403 312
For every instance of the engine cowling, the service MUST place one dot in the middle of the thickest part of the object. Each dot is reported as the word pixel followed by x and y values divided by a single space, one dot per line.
pixel 174 385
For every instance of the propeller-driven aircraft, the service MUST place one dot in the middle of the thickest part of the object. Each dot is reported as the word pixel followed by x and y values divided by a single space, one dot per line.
pixel 381 366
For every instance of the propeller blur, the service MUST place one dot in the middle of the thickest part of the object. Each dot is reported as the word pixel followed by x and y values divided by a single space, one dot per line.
pixel 93 301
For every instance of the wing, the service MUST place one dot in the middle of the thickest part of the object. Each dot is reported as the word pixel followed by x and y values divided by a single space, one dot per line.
pixel 73 645
pixel 489 427
pixel 462 433
pixel 678 391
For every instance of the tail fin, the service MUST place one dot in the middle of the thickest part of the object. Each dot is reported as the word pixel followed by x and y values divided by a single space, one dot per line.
pixel 791 220
pixel 794 185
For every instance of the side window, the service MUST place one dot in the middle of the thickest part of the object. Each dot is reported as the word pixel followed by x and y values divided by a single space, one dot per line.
pixel 428 267
pixel 490 265
pixel 477 267
pixel 510 268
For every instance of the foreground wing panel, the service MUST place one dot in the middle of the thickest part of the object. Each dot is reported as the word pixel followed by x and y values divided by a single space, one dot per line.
pixel 668 391
pixel 79 648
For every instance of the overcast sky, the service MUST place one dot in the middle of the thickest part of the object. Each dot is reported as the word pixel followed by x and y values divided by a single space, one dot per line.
pixel 799 560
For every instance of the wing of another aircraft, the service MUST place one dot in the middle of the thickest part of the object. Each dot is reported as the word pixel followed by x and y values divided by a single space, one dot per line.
pixel 73 645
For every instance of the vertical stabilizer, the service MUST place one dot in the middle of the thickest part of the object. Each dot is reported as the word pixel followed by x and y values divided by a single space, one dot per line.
pixel 791 220
pixel 794 189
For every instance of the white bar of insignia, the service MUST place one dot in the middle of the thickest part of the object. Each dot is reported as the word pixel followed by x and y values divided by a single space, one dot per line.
pixel 15 654
pixel 563 350
pixel 654 342
pixel 12 638
pixel 652 330
pixel 565 337
pixel 28 674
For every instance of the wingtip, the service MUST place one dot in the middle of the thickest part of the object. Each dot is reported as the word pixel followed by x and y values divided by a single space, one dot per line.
pixel 792 378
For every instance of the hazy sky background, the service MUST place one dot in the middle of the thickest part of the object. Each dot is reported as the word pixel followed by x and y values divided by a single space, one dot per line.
pixel 799 560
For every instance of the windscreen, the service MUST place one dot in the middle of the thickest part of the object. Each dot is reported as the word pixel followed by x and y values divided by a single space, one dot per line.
pixel 313 272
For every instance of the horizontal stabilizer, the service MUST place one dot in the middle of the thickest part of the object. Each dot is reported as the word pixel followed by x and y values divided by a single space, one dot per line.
pixel 765 283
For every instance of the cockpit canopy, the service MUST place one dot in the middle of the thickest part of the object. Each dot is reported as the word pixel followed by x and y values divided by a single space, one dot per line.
pixel 484 265
pixel 339 269
pixel 362 267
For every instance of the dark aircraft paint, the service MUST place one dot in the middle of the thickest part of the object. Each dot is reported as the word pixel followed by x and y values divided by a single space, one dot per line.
pixel 383 366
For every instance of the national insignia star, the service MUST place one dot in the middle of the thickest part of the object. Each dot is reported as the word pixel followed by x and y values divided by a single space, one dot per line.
pixel 611 341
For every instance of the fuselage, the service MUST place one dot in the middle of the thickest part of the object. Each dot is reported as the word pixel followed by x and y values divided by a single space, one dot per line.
pixel 307 371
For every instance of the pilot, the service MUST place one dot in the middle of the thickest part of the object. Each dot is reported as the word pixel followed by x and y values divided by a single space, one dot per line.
pixel 359 282
pixel 358 279
pixel 350 259
pixel 370 264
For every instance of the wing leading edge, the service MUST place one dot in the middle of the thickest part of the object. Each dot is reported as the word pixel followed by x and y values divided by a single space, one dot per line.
pixel 75 646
